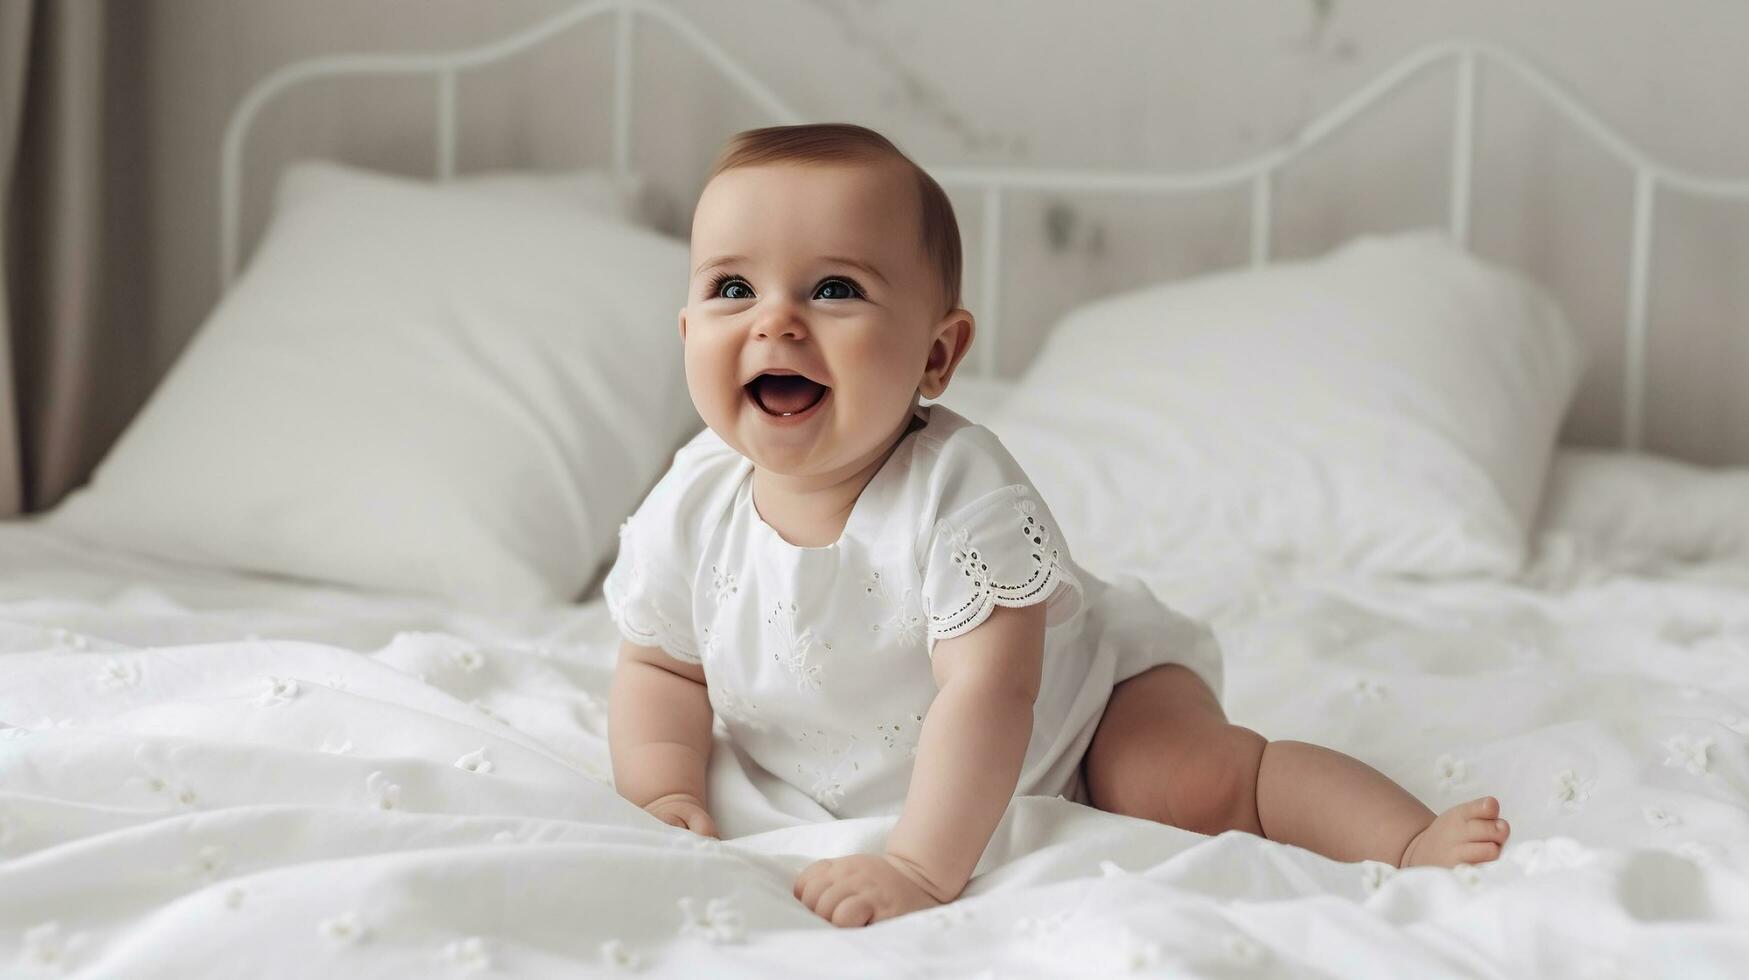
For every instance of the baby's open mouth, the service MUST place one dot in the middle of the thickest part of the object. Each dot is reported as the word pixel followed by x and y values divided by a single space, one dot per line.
pixel 785 394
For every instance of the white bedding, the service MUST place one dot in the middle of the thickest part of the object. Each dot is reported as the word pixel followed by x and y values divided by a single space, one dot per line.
pixel 215 774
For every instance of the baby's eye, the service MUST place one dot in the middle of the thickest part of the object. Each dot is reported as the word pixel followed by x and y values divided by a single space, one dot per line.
pixel 840 288
pixel 727 286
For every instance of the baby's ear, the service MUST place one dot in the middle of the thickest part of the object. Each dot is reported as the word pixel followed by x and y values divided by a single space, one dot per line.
pixel 683 324
pixel 952 338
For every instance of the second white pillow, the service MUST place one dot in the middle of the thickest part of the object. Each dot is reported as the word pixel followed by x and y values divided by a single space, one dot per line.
pixel 1388 408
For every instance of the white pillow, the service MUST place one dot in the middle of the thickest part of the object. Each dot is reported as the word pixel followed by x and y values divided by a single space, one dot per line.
pixel 1636 509
pixel 436 388
pixel 1388 408
pixel 625 197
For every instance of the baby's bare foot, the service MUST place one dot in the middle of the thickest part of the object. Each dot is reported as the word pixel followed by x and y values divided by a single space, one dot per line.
pixel 1469 833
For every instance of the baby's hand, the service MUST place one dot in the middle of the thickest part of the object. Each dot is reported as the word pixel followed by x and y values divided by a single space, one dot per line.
pixel 862 889
pixel 683 810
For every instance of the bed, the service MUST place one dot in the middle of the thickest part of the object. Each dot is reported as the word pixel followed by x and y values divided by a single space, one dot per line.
pixel 327 765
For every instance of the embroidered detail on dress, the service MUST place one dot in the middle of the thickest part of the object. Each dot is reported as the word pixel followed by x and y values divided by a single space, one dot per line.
pixel 902 735
pixel 901 622
pixel 723 584
pixel 734 710
pixel 825 782
pixel 1047 571
pixel 796 647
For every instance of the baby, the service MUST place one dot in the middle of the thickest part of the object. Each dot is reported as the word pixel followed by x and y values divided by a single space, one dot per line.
pixel 825 527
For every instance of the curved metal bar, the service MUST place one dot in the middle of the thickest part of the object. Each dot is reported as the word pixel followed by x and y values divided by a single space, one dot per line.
pixel 1260 170
pixel 450 63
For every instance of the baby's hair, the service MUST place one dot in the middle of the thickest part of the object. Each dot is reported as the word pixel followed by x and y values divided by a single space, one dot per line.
pixel 846 142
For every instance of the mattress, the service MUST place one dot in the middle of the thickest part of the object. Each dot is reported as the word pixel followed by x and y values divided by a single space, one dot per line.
pixel 207 773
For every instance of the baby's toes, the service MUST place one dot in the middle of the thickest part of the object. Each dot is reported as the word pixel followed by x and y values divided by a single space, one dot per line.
pixel 1480 808
pixel 1477 852
pixel 1487 830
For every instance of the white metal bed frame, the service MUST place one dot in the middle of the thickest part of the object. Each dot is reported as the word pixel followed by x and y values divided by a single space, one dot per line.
pixel 1259 171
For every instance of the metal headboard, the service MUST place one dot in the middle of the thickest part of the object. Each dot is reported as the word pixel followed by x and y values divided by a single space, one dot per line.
pixel 1466 56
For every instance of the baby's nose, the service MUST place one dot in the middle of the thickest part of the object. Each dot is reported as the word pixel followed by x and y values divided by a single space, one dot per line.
pixel 780 323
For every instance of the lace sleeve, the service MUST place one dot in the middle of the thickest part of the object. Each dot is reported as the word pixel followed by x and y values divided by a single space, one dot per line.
pixel 1002 549
pixel 647 597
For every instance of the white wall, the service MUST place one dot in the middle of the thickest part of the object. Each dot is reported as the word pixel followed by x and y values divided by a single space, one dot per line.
pixel 1120 83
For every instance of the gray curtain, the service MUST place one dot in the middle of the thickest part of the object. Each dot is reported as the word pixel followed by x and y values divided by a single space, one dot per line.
pixel 72 269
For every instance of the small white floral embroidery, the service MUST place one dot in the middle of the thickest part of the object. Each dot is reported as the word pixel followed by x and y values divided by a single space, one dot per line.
pixel 336 682
pixel 160 782
pixel 967 557
pixel 1469 874
pixel 796 647
pixel 1688 751
pixel 1452 772
pixel 1374 874
pixel 116 674
pixel 66 638
pixel 1367 689
pixel 384 794
pixel 904 625
pixel 1045 933
pixel 1571 792
pixel 903 735
pixel 208 863
pixel 825 781
pixel 468 659
pixel 615 954
pixel 718 921
pixel 280 690
pixel 475 761
pixel 950 915
pixel 1555 854
pixel 470 954
pixel 346 929
pixel 337 748
pixel 1659 816
pixel 742 713
pixel 723 584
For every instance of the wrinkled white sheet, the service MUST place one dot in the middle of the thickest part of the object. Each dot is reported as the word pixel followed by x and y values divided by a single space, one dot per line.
pixel 218 775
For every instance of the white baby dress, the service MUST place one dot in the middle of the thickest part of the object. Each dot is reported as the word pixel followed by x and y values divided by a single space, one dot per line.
pixel 817 660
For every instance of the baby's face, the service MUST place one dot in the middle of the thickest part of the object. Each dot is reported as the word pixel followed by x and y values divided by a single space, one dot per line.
pixel 817 273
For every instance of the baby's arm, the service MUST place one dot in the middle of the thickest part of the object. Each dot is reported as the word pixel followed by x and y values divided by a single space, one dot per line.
pixel 972 746
pixel 659 735
pixel 969 757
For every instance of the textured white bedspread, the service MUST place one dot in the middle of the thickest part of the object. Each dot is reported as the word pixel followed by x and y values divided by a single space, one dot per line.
pixel 216 775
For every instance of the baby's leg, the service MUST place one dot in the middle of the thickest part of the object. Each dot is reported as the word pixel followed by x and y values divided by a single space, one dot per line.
pixel 1165 751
